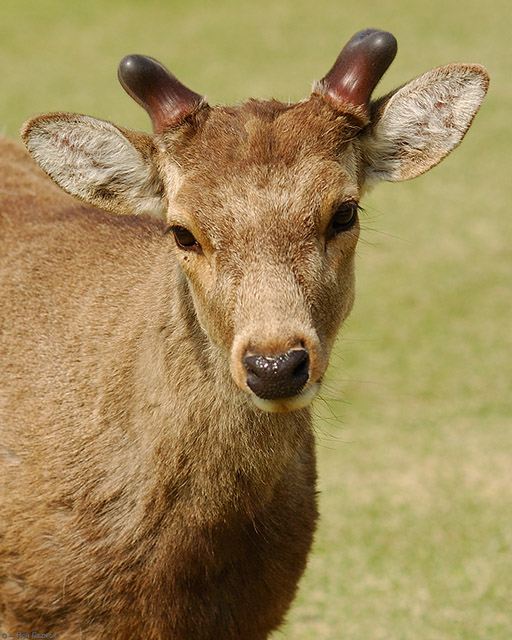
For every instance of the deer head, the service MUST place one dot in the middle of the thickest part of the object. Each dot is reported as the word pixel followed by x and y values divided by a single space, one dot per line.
pixel 262 198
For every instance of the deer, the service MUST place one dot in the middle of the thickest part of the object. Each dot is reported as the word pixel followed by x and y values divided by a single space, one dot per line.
pixel 169 304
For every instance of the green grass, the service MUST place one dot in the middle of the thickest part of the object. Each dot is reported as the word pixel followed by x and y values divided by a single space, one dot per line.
pixel 414 425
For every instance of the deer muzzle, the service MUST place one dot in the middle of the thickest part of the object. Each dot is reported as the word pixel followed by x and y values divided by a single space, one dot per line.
pixel 277 381
pixel 277 357
pixel 281 376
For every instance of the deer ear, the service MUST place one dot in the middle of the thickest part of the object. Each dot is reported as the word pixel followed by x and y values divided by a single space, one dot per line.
pixel 415 127
pixel 99 163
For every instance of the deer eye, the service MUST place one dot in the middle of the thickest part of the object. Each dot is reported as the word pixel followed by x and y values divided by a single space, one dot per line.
pixel 343 219
pixel 185 239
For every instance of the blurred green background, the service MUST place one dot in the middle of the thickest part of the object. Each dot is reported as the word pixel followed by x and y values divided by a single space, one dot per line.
pixel 414 425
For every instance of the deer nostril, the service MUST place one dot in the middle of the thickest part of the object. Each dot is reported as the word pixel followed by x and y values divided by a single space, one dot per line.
pixel 279 376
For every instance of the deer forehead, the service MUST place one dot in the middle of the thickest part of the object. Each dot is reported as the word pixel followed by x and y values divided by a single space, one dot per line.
pixel 263 165
pixel 263 132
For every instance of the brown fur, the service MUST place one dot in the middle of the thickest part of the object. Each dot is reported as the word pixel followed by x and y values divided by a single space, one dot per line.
pixel 144 494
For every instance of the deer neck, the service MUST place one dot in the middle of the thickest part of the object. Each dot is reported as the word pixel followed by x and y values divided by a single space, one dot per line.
pixel 202 439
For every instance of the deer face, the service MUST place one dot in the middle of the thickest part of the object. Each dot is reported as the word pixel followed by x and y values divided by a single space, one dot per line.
pixel 262 199
pixel 267 240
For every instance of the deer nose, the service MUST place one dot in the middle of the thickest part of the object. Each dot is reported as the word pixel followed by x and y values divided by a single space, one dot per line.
pixel 277 376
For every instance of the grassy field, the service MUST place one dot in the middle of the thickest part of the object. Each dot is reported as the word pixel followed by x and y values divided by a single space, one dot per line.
pixel 415 424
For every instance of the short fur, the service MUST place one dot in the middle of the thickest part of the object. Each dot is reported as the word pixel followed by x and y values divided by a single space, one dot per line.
pixel 144 493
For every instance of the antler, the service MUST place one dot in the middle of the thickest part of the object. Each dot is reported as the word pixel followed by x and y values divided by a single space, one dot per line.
pixel 158 91
pixel 358 69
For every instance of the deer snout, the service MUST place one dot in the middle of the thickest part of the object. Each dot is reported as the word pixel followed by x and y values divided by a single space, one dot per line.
pixel 277 376
pixel 278 379
pixel 277 357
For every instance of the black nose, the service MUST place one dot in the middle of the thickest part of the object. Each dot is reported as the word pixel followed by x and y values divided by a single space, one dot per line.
pixel 279 376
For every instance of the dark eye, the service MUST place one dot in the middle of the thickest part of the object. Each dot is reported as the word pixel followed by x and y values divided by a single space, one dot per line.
pixel 185 239
pixel 343 219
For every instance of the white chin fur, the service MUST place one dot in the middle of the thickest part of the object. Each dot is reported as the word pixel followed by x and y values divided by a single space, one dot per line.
pixel 287 404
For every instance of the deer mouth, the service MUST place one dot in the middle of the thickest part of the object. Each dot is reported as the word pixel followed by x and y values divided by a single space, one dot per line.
pixel 281 405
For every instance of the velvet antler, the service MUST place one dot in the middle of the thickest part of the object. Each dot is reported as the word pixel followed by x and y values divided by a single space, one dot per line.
pixel 158 91
pixel 358 69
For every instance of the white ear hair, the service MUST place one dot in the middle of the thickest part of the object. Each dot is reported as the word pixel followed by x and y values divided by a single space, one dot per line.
pixel 96 161
pixel 417 126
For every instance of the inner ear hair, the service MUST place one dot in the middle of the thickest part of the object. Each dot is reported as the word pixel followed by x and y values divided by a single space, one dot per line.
pixel 413 128
pixel 109 167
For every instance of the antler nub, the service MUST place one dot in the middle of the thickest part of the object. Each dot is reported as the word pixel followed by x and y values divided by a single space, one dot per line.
pixel 358 69
pixel 157 90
